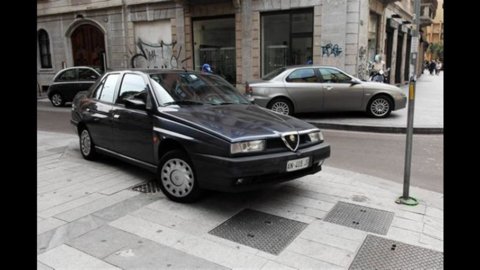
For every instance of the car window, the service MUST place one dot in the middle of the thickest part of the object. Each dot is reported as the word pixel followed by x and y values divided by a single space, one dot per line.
pixel 108 89
pixel 330 75
pixel 273 74
pixel 132 85
pixel 68 75
pixel 87 75
pixel 98 89
pixel 302 75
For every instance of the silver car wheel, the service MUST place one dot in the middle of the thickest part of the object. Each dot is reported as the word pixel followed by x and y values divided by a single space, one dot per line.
pixel 177 177
pixel 57 99
pixel 280 107
pixel 380 107
pixel 85 142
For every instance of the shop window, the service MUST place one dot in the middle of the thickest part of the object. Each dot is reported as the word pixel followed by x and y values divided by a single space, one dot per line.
pixel 44 47
pixel 287 39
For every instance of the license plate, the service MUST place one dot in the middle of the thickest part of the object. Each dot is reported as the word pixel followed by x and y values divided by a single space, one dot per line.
pixel 298 164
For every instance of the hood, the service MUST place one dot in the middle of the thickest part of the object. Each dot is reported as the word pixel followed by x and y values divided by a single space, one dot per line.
pixel 237 122
pixel 381 86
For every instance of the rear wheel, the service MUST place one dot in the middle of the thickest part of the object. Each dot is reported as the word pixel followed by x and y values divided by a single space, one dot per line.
pixel 57 100
pixel 87 148
pixel 177 177
pixel 380 106
pixel 281 105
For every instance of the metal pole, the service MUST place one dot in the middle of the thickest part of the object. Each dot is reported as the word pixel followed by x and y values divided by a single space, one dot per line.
pixel 406 199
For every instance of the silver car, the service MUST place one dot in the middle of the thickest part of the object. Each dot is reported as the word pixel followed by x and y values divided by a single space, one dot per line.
pixel 308 88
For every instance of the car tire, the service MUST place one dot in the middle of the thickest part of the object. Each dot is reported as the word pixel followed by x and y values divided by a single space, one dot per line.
pixel 281 105
pixel 177 177
pixel 380 106
pixel 57 100
pixel 87 147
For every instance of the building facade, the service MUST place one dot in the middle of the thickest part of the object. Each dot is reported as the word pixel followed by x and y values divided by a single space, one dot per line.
pixel 434 32
pixel 241 39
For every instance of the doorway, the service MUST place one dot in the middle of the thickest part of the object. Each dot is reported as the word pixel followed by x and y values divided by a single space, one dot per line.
pixel 88 46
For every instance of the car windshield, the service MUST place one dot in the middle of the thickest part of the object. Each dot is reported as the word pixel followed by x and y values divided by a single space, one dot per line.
pixel 273 74
pixel 188 88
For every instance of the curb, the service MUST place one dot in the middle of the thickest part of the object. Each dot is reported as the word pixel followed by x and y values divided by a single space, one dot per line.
pixel 379 129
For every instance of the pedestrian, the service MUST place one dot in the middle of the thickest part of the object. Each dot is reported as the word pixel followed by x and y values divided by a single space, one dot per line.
pixel 206 68
pixel 438 67
pixel 431 67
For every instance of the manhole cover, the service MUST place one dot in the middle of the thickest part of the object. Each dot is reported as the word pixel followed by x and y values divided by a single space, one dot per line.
pixel 148 187
pixel 260 230
pixel 381 253
pixel 360 217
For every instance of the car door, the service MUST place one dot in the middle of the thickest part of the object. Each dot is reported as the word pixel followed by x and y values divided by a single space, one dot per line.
pixel 133 127
pixel 98 113
pixel 340 93
pixel 305 90
pixel 66 84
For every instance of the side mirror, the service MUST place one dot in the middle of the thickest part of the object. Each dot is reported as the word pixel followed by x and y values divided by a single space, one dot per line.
pixel 135 103
pixel 355 81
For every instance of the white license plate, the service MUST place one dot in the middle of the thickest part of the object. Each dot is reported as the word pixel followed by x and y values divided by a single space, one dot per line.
pixel 298 164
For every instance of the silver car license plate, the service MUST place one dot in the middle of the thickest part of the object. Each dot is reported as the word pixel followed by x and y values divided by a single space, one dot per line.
pixel 298 164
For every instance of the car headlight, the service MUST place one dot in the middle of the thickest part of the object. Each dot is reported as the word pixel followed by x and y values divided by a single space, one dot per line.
pixel 247 147
pixel 316 136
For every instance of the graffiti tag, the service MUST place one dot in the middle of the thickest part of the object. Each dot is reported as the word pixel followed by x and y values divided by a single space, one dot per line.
pixel 330 49
pixel 157 55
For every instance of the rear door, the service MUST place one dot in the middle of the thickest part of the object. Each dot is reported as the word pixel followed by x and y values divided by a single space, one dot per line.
pixel 98 114
pixel 133 128
pixel 304 88
pixel 66 84
pixel 340 93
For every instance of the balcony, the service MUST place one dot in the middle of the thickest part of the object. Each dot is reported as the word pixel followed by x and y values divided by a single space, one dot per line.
pixel 427 12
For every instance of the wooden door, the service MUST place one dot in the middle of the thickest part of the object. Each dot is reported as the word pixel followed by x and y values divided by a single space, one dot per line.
pixel 88 46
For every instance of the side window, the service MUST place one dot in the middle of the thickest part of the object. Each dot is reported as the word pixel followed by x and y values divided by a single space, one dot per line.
pixel 68 75
pixel 87 75
pixel 302 75
pixel 98 90
pixel 330 75
pixel 132 85
pixel 108 90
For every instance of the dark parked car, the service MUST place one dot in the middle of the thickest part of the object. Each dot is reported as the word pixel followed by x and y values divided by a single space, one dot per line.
pixel 68 82
pixel 195 130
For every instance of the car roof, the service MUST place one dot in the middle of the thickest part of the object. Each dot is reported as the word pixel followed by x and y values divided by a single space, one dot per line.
pixel 155 70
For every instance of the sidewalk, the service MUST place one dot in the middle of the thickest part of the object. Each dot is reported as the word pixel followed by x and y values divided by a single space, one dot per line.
pixel 88 217
pixel 428 114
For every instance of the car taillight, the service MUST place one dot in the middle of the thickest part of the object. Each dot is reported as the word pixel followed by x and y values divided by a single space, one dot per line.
pixel 248 89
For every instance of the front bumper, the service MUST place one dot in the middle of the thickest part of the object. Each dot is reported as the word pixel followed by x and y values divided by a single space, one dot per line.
pixel 223 173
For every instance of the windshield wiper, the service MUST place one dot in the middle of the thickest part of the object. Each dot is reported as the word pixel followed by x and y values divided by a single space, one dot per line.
pixel 183 102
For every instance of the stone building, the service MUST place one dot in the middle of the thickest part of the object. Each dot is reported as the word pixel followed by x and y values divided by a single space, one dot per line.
pixel 241 39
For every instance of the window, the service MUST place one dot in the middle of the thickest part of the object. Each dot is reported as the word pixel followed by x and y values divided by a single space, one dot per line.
pixel 98 90
pixel 44 47
pixel 132 85
pixel 106 90
pixel 330 75
pixel 302 75
pixel 67 75
pixel 87 75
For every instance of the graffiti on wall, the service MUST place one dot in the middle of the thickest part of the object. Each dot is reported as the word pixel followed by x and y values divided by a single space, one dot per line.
pixel 157 55
pixel 362 70
pixel 331 49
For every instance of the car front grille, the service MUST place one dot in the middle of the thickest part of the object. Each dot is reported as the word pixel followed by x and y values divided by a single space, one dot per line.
pixel 277 145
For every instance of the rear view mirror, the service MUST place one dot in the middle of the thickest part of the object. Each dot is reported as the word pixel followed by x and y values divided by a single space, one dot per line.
pixel 355 81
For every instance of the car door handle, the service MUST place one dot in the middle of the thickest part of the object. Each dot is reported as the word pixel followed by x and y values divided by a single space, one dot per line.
pixel 116 116
pixel 87 109
pixel 329 87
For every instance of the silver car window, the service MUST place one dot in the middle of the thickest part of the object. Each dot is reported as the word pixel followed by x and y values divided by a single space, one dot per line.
pixel 330 75
pixel 304 75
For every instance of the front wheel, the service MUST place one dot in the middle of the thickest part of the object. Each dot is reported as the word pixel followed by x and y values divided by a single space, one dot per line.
pixel 281 106
pixel 380 107
pixel 177 177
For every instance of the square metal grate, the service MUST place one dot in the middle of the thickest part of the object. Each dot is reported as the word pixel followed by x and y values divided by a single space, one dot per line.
pixel 381 253
pixel 148 187
pixel 360 217
pixel 260 230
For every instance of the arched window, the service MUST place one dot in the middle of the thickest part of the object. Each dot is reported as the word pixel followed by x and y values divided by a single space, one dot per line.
pixel 44 46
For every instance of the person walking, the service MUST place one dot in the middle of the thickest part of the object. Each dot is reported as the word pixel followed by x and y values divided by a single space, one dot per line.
pixel 438 67
pixel 431 67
